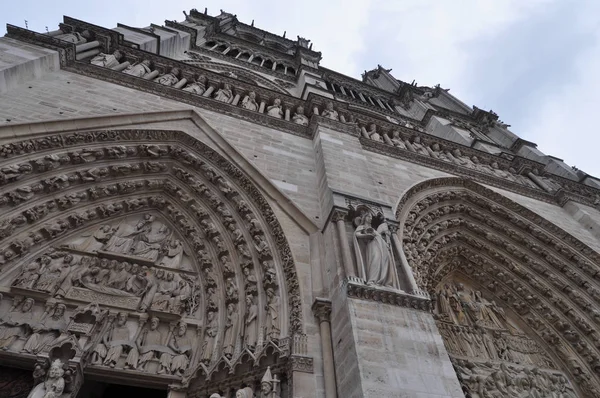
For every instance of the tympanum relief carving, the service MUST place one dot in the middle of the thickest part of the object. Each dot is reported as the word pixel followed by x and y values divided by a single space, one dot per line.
pixel 493 357
pixel 177 258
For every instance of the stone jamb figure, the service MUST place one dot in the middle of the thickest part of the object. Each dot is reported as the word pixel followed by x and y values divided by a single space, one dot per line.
pixel 373 253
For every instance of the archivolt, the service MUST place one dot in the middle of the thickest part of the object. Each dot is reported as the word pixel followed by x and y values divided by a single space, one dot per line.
pixel 54 187
pixel 546 276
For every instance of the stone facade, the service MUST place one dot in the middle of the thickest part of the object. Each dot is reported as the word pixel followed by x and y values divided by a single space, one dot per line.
pixel 201 210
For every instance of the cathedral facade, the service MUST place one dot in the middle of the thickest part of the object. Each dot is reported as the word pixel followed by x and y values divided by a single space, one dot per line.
pixel 200 209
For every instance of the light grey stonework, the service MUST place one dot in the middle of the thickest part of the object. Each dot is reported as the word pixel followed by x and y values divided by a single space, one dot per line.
pixel 335 238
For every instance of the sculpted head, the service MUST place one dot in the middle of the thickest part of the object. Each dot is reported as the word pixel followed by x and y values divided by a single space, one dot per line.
pixel 160 273
pixel 300 110
pixel 175 71
pixel 182 328
pixel 154 322
pixel 56 370
pixel 266 387
pixel 118 54
pixel 121 318
pixel 146 62
pixel 330 106
pixel 252 94
pixel 248 301
pixel 27 305
pixel 59 310
pixel 277 102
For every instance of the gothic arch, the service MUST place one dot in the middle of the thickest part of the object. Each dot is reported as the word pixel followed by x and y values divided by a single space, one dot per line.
pixel 99 220
pixel 545 278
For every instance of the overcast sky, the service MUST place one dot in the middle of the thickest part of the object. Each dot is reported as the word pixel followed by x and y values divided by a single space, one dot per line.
pixel 534 62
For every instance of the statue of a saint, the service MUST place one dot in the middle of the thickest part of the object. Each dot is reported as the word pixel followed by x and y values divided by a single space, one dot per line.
pixel 249 102
pixel 169 79
pixel 54 385
pixel 114 342
pixel 329 112
pixel 75 37
pixel 197 86
pixel 164 293
pixel 229 339
pixel 245 392
pixel 98 239
pixel 224 94
pixel 269 385
pixel 139 69
pixel 107 60
pixel 272 308
pixel 173 254
pixel 31 273
pixel 373 254
pixel 251 323
pixel 16 323
pixel 182 346
pixel 149 346
pixel 299 117
pixel 275 110
pixel 210 334
pixel 51 331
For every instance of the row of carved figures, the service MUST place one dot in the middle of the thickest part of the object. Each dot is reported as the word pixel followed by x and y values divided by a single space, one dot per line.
pixel 54 379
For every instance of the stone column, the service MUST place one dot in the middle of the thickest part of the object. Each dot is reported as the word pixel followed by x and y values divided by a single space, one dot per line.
pixel 322 310
pixel 406 270
pixel 339 218
pixel 87 54
pixel 209 91
pixel 287 114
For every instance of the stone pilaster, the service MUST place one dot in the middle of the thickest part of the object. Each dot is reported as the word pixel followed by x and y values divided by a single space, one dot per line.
pixel 322 310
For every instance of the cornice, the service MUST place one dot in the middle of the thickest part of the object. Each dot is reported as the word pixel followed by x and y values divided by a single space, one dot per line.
pixel 398 298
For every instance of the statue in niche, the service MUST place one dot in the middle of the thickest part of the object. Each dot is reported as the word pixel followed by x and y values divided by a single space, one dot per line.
pixel 275 110
pixel 212 327
pixel 182 347
pixel 251 323
pixel 31 273
pixel 329 112
pixel 416 146
pixel 249 102
pixel 116 341
pixel 107 60
pixel 371 133
pixel 224 94
pixel 169 79
pixel 229 338
pixel 245 392
pixel 148 346
pixel 167 286
pixel 16 323
pixel 269 385
pixel 299 117
pixel 197 86
pixel 272 308
pixel 75 37
pixel 397 141
pixel 173 253
pixel 139 69
pixel 54 384
pixel 270 275
pixel 49 331
pixel 373 254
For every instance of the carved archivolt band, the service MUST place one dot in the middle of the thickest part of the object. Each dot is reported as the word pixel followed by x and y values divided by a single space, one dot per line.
pixel 534 268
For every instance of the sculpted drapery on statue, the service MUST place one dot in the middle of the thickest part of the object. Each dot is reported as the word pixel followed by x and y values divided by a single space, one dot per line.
pixel 54 384
pixel 374 259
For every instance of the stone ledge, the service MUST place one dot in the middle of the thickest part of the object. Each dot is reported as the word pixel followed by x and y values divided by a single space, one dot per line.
pixel 357 289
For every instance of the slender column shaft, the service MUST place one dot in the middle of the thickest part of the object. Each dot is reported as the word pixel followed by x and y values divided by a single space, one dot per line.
pixel 404 264
pixel 86 46
pixel 322 310
pixel 345 247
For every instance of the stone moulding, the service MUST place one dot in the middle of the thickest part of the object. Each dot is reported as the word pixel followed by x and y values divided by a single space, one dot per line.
pixel 302 364
pixel 361 291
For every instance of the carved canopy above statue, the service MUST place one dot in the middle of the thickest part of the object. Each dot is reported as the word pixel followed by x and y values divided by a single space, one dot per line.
pixel 171 239
pixel 537 274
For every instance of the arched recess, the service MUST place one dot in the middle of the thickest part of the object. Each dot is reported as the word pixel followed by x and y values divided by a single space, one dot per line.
pixel 499 271
pixel 151 224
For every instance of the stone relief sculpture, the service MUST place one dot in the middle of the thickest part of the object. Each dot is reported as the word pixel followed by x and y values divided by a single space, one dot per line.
pixel 210 335
pixel 251 323
pixel 139 69
pixel 197 86
pixel 115 342
pixel 329 112
pixel 54 384
pixel 224 94
pixel 229 338
pixel 269 385
pixel 371 133
pixel 107 60
pixel 272 322
pixel 373 254
pixel 275 110
pixel 49 330
pixel 170 78
pixel 75 37
pixel 181 345
pixel 17 323
pixel 299 117
pixel 245 392
pixel 249 102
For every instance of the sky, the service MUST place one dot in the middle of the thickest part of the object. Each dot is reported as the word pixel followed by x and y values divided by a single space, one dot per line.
pixel 534 62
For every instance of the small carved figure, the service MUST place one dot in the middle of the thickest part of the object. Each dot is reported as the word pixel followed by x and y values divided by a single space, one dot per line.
pixel 75 37
pixel 149 346
pixel 272 308
pixel 197 86
pixel 251 323
pixel 275 110
pixel 16 323
pixel 299 117
pixel 173 254
pixel 269 385
pixel 107 60
pixel 169 79
pixel 54 384
pixel 140 69
pixel 114 343
pixel 229 338
pixel 210 334
pixel 224 94
pixel 329 112
pixel 249 102
pixel 245 392
pixel 48 331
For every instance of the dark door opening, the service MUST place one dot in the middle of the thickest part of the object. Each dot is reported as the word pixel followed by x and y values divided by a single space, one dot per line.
pixel 97 389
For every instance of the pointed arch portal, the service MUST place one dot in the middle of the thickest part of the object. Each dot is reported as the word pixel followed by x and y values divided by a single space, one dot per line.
pixel 143 251
pixel 515 296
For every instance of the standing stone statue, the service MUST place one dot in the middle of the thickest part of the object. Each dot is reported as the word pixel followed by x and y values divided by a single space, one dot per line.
pixel 229 339
pixel 107 60
pixel 182 347
pixel 169 79
pixel 210 334
pixel 251 323
pixel 148 346
pixel 329 112
pixel 224 94
pixel 275 109
pixel 299 117
pixel 249 102
pixel 53 386
pixel 272 308
pixel 140 69
pixel 197 86
pixel 373 254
